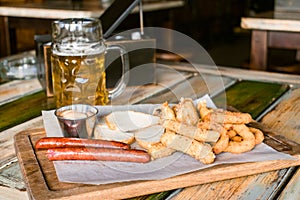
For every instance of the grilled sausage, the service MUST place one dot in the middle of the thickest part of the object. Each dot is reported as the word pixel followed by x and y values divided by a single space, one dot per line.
pixel 103 154
pixel 59 142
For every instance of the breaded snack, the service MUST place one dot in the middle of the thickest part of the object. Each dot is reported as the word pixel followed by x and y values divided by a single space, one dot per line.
pixel 186 112
pixel 192 132
pixel 159 150
pixel 198 150
pixel 165 112
pixel 149 139
pixel 204 111
pixel 150 135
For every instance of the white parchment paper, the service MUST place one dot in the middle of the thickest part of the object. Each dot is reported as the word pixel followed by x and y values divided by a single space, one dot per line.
pixel 100 172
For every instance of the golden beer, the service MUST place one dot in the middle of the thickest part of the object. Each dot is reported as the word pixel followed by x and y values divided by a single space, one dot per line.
pixel 79 79
pixel 77 61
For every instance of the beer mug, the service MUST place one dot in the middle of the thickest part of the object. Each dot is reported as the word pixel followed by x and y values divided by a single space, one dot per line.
pixel 77 61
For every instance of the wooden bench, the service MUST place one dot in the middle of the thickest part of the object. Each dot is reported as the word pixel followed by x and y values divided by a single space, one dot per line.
pixel 270 32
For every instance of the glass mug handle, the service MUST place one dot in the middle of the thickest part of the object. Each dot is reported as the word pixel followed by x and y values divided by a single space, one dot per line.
pixel 121 85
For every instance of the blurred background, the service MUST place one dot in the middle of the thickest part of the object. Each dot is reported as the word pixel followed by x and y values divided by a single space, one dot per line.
pixel 215 24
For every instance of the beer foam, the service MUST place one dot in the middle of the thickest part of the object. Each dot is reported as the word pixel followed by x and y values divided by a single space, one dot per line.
pixel 78 49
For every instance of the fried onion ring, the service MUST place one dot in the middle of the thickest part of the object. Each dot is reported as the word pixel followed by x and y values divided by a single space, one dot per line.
pixel 222 116
pixel 222 143
pixel 228 117
pixel 231 133
pixel 259 136
pixel 236 138
pixel 248 142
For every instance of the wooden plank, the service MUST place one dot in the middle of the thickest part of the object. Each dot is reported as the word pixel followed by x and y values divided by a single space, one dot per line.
pixel 258 56
pixel 10 193
pixel 270 24
pixel 251 96
pixel 40 176
pixel 5 49
pixel 194 87
pixel 292 191
pixel 6 139
pixel 10 173
pixel 56 10
pixel 11 176
pixel 165 78
pixel 285 117
pixel 24 109
pixel 238 73
pixel 258 186
pixel 287 15
pixel 34 103
pixel 298 55
pixel 13 90
pixel 47 13
pixel 284 40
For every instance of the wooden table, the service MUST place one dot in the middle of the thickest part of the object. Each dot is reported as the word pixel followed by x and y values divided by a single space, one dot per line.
pixel 271 98
pixel 40 15
pixel 271 32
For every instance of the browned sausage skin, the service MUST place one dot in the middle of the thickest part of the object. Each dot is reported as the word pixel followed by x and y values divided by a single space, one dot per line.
pixel 101 154
pixel 62 142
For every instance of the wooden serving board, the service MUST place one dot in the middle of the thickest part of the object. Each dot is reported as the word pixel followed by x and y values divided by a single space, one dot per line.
pixel 42 183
